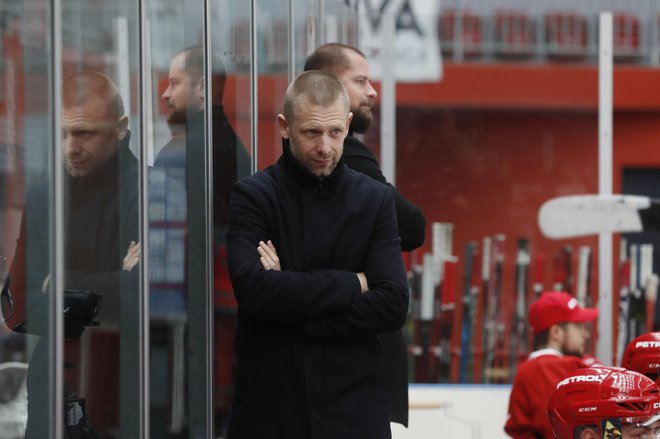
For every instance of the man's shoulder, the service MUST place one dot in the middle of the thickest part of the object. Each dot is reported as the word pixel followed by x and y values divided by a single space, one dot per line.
pixel 552 365
pixel 357 179
pixel 260 179
pixel 354 146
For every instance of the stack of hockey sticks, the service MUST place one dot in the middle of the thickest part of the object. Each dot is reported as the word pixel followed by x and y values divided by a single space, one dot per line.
pixel 580 215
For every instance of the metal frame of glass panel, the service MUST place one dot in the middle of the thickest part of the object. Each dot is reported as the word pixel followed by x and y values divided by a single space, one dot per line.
pixel 56 285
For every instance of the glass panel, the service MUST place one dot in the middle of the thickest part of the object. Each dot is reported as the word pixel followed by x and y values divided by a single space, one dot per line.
pixel 179 292
pixel 230 39
pixel 306 34
pixel 101 213
pixel 26 215
pixel 273 53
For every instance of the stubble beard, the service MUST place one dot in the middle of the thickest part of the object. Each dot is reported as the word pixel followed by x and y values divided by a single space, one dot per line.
pixel 572 352
pixel 176 118
pixel 362 118
pixel 306 163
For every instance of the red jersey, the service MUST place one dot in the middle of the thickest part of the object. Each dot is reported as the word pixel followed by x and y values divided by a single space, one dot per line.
pixel 534 383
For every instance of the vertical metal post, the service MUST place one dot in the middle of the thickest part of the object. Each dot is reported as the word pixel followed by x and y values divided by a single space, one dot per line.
pixel 604 345
pixel 141 418
pixel 388 97
pixel 254 71
pixel 56 284
pixel 292 41
pixel 208 205
pixel 343 36
pixel 321 20
pixel 458 32
pixel 122 57
pixel 654 52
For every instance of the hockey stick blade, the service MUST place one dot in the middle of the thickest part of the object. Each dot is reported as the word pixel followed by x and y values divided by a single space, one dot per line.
pixel 580 215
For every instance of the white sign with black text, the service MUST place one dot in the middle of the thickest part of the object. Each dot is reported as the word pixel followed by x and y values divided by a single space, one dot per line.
pixel 417 52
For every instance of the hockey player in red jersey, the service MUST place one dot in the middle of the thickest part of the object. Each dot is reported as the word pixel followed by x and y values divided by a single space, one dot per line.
pixel 560 333
pixel 605 403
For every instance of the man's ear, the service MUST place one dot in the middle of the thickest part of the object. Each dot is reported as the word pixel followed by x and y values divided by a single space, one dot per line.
pixel 284 126
pixel 200 90
pixel 555 332
pixel 122 127
pixel 348 121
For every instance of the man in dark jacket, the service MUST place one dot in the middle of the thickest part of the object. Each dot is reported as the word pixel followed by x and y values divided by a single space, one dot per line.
pixel 183 159
pixel 101 247
pixel 316 265
pixel 350 66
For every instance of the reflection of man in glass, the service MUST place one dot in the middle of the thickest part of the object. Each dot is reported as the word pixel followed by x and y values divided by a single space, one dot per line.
pixel 183 159
pixel 185 99
pixel 100 241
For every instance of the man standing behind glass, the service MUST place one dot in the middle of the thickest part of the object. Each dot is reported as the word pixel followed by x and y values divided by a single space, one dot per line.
pixel 100 239
pixel 350 66
pixel 315 260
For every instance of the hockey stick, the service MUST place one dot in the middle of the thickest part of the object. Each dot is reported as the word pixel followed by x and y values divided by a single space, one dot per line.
pixel 469 304
pixel 494 349
pixel 579 215
pixel 518 344
pixel 480 332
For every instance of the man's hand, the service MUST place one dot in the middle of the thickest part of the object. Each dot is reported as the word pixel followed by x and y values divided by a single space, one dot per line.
pixel 132 256
pixel 364 285
pixel 269 258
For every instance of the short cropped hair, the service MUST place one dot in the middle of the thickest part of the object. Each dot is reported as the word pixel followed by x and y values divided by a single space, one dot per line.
pixel 79 87
pixel 194 66
pixel 331 57
pixel 316 87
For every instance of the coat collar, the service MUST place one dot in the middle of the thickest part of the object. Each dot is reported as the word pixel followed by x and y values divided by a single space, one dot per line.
pixel 123 160
pixel 298 173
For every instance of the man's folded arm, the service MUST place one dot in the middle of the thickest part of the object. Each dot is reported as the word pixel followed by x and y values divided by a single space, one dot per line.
pixel 290 297
pixel 384 306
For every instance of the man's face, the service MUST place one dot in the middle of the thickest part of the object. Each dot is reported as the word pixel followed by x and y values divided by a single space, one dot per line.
pixel 316 135
pixel 91 135
pixel 357 81
pixel 183 94
pixel 574 338
pixel 628 431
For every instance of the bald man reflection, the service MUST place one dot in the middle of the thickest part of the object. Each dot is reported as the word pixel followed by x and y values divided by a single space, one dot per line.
pixel 101 249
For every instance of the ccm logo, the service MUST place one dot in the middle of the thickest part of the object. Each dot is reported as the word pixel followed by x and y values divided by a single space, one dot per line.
pixel 588 409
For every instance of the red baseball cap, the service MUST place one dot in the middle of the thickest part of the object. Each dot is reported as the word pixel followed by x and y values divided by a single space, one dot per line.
pixel 556 307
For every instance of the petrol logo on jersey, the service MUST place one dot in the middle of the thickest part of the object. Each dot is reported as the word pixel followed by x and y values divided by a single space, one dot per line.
pixel 582 379
pixel 648 344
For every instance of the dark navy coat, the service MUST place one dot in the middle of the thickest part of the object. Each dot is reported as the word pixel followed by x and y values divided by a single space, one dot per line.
pixel 309 364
